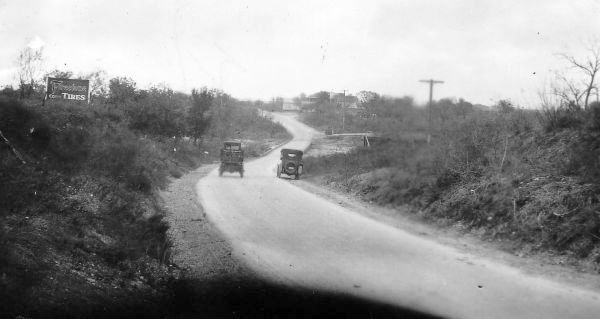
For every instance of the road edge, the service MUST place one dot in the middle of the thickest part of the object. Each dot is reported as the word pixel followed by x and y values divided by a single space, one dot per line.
pixel 464 243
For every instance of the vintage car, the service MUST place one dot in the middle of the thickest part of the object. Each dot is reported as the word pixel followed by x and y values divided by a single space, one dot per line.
pixel 291 163
pixel 232 158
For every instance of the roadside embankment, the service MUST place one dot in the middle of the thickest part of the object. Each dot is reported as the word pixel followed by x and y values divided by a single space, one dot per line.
pixel 82 228
pixel 519 187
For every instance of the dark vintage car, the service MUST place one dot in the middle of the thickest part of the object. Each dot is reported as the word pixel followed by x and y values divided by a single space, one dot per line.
pixel 291 163
pixel 232 158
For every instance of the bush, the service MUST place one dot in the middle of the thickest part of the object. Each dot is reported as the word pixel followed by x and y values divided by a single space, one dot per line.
pixel 559 118
pixel 15 120
pixel 585 156
pixel 86 200
pixel 71 146
pixel 593 118
pixel 9 92
pixel 395 186
pixel 87 177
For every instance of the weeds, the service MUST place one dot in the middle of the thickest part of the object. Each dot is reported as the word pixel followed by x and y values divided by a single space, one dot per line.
pixel 85 206
pixel 523 175
pixel 86 192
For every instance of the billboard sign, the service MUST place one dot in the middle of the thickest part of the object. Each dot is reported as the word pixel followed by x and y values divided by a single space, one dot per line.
pixel 68 89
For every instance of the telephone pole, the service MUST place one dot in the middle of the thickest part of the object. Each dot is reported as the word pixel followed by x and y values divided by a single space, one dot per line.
pixel 343 111
pixel 430 105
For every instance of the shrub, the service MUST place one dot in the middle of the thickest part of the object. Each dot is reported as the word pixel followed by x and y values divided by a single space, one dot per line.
pixel 71 146
pixel 593 118
pixel 585 156
pixel 14 119
pixel 9 92
pixel 396 186
pixel 558 118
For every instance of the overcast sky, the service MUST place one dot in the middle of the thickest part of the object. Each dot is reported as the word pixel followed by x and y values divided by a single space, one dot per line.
pixel 483 50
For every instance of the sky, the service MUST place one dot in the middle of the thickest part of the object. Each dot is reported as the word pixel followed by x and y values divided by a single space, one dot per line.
pixel 484 51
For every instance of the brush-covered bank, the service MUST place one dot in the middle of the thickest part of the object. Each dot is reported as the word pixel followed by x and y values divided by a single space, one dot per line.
pixel 527 180
pixel 82 226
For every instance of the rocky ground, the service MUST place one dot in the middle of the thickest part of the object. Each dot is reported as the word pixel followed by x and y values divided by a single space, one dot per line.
pixel 199 248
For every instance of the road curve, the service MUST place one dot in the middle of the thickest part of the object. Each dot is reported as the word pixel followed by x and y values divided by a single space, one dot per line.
pixel 290 236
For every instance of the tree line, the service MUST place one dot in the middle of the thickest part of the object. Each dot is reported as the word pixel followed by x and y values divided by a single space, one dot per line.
pixel 158 111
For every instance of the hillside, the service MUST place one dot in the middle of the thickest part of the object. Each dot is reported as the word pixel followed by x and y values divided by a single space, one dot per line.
pixel 81 223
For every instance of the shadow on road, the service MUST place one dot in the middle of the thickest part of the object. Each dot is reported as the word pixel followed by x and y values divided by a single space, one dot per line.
pixel 255 299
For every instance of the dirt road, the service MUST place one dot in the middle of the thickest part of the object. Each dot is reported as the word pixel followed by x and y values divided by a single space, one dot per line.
pixel 290 236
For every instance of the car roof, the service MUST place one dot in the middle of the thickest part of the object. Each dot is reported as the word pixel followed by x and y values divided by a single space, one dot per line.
pixel 289 150
pixel 232 142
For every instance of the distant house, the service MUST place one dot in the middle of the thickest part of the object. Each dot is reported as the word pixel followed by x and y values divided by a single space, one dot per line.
pixel 290 105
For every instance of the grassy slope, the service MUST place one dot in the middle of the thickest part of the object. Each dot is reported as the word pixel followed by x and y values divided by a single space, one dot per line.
pixel 534 198
pixel 81 227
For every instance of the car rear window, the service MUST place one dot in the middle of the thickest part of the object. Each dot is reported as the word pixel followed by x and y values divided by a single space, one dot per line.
pixel 233 147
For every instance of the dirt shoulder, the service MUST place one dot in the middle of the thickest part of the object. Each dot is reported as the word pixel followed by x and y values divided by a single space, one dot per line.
pixel 199 248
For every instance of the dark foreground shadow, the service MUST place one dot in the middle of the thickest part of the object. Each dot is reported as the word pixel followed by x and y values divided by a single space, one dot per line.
pixel 222 298
pixel 256 299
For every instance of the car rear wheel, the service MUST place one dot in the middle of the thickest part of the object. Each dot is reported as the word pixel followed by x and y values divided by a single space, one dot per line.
pixel 278 171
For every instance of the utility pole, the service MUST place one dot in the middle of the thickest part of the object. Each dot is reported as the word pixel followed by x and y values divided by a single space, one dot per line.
pixel 430 105
pixel 343 112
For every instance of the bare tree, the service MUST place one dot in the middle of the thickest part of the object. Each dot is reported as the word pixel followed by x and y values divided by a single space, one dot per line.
pixel 567 91
pixel 98 84
pixel 29 69
pixel 59 74
pixel 589 66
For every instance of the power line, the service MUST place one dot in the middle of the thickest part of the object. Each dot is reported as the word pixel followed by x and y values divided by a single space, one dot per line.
pixel 430 105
